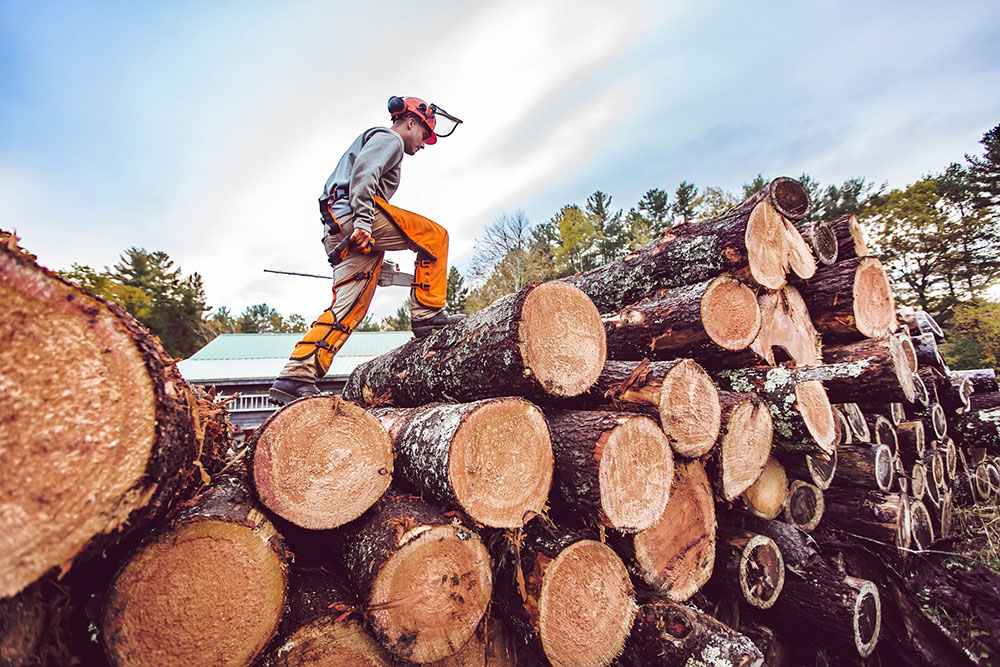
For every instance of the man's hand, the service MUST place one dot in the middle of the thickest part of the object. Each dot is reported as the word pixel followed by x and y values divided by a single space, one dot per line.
pixel 360 238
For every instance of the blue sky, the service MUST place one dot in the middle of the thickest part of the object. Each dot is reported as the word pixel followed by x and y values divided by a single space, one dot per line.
pixel 206 129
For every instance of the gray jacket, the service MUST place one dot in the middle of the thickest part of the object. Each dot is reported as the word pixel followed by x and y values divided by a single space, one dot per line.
pixel 369 168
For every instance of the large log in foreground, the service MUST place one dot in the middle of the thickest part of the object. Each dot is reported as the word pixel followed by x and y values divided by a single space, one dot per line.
pixel 93 463
pixel 754 240
pixel 220 558
pixel 492 459
pixel 611 468
pixel 423 577
pixel 851 299
pixel 883 358
pixel 545 341
pixel 320 462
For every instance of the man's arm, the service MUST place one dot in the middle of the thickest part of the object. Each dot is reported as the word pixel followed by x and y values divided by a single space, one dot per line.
pixel 383 151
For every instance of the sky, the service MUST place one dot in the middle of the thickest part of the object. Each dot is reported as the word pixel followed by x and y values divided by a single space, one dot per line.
pixel 207 129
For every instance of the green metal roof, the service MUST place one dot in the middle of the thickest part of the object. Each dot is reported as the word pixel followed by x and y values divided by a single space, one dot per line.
pixel 237 357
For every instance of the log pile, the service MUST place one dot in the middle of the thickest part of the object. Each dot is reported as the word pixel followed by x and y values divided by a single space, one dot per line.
pixel 718 449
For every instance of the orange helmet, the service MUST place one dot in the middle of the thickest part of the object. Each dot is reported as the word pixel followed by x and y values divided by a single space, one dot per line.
pixel 426 112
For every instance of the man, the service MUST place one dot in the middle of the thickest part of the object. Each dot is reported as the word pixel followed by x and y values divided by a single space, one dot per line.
pixel 360 225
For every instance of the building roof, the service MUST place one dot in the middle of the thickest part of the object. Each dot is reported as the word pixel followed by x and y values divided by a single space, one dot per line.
pixel 247 357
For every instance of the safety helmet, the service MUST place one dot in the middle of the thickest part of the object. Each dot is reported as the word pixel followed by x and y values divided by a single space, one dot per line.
pixel 426 112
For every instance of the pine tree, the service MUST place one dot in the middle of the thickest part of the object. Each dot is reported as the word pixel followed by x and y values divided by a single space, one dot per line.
pixel 685 199
pixel 457 294
pixel 986 173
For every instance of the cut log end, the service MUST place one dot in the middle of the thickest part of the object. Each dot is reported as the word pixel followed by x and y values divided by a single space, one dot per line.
pixel 922 532
pixel 676 555
pixel 767 247
pixel 562 339
pixel 766 497
pixel 321 462
pixel 690 413
pixel 884 467
pixel 78 467
pixel 745 446
pixel 730 314
pixel 804 507
pixel 585 634
pixel 158 609
pixel 786 329
pixel 329 643
pixel 874 305
pixel 822 469
pixel 790 197
pixel 816 411
pixel 428 598
pixel 761 572
pixel 867 616
pixel 495 483
pixel 636 472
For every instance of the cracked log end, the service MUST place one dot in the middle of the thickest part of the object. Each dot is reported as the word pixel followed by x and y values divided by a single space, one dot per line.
pixel 430 595
pixel 761 572
pixel 804 507
pixel 676 555
pixel 327 642
pixel 817 413
pixel 745 445
pixel 690 413
pixel 586 605
pixel 208 592
pixel 321 462
pixel 562 339
pixel 874 304
pixel 73 456
pixel 775 247
pixel 500 462
pixel 636 473
pixel 786 325
pixel 730 314
pixel 766 497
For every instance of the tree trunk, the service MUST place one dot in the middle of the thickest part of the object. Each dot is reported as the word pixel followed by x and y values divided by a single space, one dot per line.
pixel 544 341
pixel 679 393
pixel 821 239
pixel 803 417
pixel 707 322
pixel 667 634
pixel 97 464
pixel 985 401
pixel 884 356
pixel 754 240
pixel 321 462
pixel 612 469
pixel 850 300
pixel 766 497
pixel 491 459
pixel 744 444
pixel 865 465
pixel 984 380
pixel 423 577
pixel 786 330
pixel 566 596
pixel 884 517
pixel 850 238
pixel 675 556
pixel 319 625
pixel 218 558
pixel 804 507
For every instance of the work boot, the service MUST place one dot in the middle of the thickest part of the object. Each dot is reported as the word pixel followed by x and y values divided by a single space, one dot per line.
pixel 424 328
pixel 284 390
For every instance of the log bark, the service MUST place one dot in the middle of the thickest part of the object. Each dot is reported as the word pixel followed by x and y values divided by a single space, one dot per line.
pixel 766 497
pixel 321 462
pixel 748 566
pixel 884 355
pixel 803 417
pixel 857 421
pixel 158 608
pixel 786 330
pixel 928 354
pixel 566 596
pixel 884 517
pixel 821 239
pixel 912 441
pixel 97 465
pixel 612 469
pixel 491 459
pixel 804 507
pixel 985 401
pixel 544 341
pixel 320 624
pixel 850 238
pixel 883 433
pixel 676 555
pixel 984 380
pixel 679 393
pixel 850 300
pixel 744 444
pixel 754 240
pixel 934 419
pixel 423 577
pixel 865 465
pixel 710 322
pixel 956 395
pixel 667 633
pixel 819 470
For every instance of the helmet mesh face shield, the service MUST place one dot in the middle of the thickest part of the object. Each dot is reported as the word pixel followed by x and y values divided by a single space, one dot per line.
pixel 437 120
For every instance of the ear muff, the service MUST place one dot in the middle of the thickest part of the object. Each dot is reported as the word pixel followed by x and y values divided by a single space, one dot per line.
pixel 397 105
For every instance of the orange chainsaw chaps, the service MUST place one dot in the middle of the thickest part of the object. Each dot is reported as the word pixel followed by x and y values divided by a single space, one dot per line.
pixel 430 275
pixel 327 334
